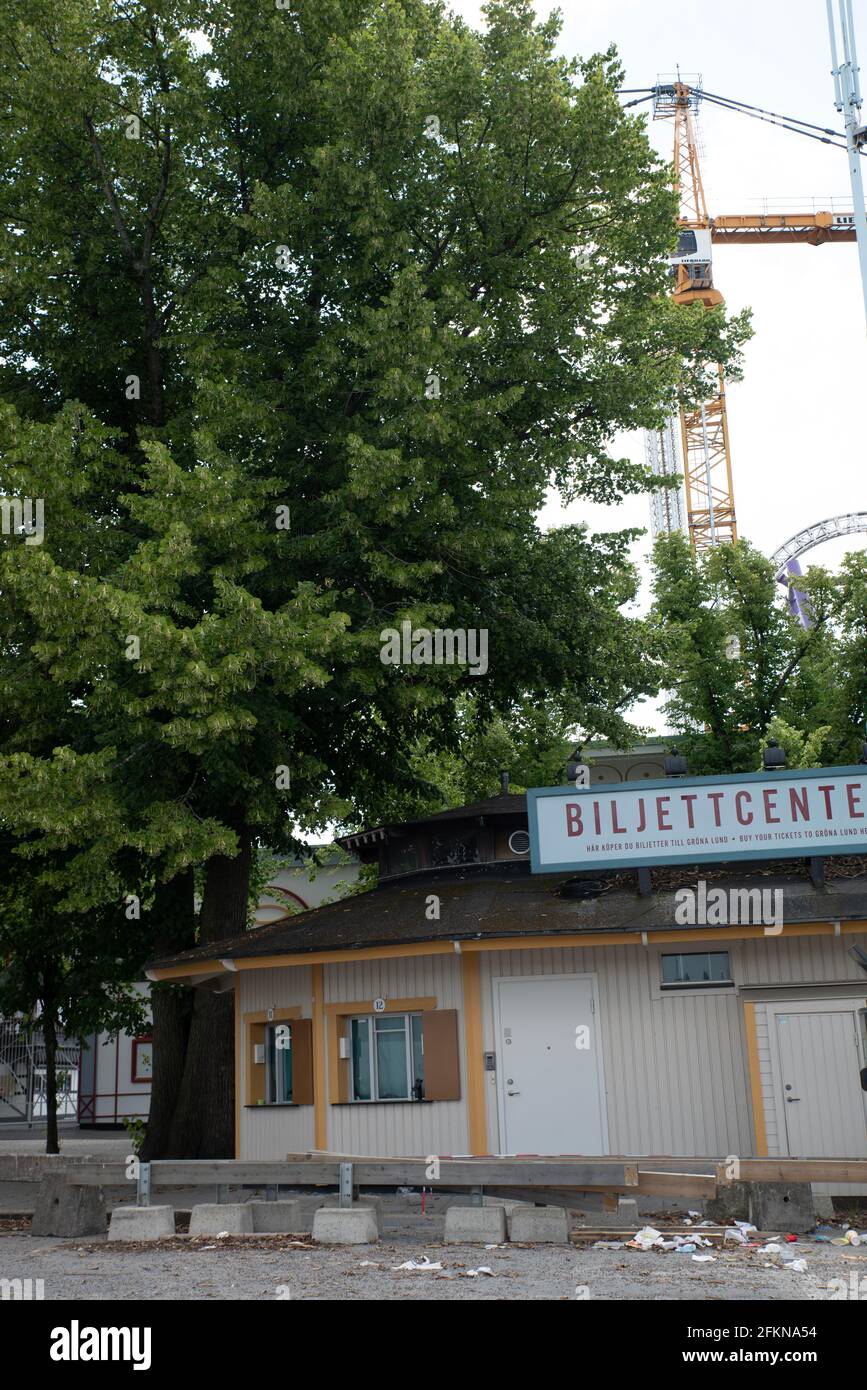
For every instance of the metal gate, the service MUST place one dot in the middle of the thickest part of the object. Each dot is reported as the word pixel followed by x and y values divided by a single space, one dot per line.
pixel 23 1094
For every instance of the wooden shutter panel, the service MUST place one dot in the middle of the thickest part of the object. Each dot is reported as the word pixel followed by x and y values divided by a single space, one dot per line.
pixel 339 1074
pixel 442 1067
pixel 255 1070
pixel 302 1061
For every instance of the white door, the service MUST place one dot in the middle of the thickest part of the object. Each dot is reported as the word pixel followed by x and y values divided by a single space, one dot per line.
pixel 549 1066
pixel 823 1104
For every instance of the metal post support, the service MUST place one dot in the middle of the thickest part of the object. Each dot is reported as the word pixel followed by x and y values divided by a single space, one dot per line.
pixel 143 1185
pixel 345 1197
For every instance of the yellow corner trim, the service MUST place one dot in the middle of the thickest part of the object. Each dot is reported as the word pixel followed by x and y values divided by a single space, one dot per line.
pixel 473 1044
pixel 758 1104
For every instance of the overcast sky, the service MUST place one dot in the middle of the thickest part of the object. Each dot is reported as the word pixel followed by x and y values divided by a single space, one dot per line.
pixel 797 419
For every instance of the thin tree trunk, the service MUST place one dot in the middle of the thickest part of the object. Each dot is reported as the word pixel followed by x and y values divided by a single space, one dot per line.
pixel 171 1011
pixel 154 357
pixel 203 1124
pixel 49 1034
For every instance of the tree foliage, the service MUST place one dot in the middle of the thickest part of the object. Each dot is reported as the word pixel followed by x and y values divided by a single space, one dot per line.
pixel 304 310
pixel 741 669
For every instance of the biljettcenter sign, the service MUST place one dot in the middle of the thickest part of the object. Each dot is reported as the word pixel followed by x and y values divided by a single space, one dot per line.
pixel 692 820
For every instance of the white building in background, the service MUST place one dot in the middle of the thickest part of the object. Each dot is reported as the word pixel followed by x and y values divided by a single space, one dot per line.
pixel 116 1070
pixel 114 1082
pixel 305 883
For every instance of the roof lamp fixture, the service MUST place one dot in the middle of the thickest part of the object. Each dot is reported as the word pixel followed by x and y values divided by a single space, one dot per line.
pixel 774 756
pixel 675 764
pixel 577 770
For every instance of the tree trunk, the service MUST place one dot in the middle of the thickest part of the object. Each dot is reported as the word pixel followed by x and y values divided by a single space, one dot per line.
pixel 154 357
pixel 49 1034
pixel 171 1010
pixel 203 1125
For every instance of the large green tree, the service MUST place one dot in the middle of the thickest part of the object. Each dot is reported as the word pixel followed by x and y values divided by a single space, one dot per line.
pixel 304 310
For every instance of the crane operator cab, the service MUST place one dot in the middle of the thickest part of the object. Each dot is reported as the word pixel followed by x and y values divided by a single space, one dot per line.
pixel 694 257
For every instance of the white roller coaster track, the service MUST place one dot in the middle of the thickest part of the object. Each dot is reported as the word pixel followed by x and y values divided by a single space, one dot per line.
pixel 846 524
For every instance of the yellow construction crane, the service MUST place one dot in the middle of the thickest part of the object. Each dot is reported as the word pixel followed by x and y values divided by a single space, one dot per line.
pixel 707 470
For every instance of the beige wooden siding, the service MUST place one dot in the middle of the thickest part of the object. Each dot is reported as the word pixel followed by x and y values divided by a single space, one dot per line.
pixel 675 1064
pixel 803 960
pixel 399 1127
pixel 764 1051
pixel 270 1132
pixel 675 1067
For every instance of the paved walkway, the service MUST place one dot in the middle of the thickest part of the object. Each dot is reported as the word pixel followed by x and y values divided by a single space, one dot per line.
pixel 106 1143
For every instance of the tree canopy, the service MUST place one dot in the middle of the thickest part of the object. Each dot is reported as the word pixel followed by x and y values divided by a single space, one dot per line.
pixel 304 311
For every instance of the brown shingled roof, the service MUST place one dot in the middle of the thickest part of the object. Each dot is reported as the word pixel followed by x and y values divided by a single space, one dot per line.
pixel 502 900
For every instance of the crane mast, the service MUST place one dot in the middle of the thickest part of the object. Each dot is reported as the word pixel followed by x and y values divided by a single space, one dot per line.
pixel 704 433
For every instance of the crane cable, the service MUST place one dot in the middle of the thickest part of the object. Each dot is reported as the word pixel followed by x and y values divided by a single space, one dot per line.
pixel 796 120
pixel 757 113
pixel 771 119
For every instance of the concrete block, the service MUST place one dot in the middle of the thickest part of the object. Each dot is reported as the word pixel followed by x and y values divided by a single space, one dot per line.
pixel 824 1208
pixel 210 1218
pixel 780 1206
pixel 475 1226
pixel 67 1211
pixel 345 1226
pixel 627 1213
pixel 537 1225
pixel 279 1217
pixel 731 1203
pixel 141 1223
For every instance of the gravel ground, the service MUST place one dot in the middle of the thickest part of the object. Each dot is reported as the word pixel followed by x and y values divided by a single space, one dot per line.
pixel 280 1267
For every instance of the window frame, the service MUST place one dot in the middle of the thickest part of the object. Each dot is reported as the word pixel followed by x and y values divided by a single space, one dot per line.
pixel 702 986
pixel 253 1025
pixel 411 1061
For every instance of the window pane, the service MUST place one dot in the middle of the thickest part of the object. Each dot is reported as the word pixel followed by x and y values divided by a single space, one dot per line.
pixel 270 1067
pixel 360 1059
pixel 720 969
pixel 417 1058
pixel 389 1023
pixel 284 1067
pixel 703 967
pixel 278 1065
pixel 391 1061
pixel 670 970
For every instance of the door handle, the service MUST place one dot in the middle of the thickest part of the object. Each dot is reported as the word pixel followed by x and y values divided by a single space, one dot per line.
pixel 513 1093
pixel 789 1099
